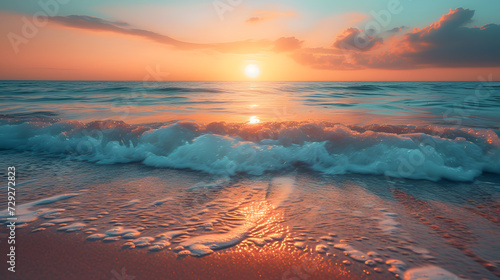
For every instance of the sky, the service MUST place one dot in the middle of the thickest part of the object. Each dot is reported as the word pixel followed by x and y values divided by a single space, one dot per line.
pixel 285 40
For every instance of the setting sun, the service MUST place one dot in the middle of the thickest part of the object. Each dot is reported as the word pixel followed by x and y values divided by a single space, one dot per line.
pixel 254 119
pixel 252 71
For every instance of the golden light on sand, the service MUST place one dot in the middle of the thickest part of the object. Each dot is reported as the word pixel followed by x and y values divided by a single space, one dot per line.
pixel 254 119
pixel 252 70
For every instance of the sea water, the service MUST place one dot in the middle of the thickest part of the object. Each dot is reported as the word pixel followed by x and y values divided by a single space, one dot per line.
pixel 393 175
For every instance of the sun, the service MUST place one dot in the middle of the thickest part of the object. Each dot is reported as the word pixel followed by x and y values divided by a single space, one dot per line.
pixel 252 71
pixel 254 119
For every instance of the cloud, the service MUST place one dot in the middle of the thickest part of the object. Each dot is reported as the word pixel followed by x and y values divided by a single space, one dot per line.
pixel 396 29
pixel 283 44
pixel 287 44
pixel 260 16
pixel 445 43
pixel 354 38
pixel 327 59
pixel 449 43
pixel 98 24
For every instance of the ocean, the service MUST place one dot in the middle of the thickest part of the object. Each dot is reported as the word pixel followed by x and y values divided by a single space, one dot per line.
pixel 388 175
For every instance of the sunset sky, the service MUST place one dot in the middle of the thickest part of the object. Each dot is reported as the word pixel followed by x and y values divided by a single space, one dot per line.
pixel 216 40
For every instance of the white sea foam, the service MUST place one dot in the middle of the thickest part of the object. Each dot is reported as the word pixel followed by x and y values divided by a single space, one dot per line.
pixel 158 245
pixel 199 250
pixel 327 238
pixel 161 201
pixel 322 248
pixel 130 203
pixel 171 234
pixel 46 225
pixel 343 247
pixel 143 241
pixel 357 255
pixel 388 225
pixel 254 213
pixel 217 241
pixel 72 227
pixel 217 183
pixel 300 245
pixel 397 267
pixel 62 220
pixel 279 190
pixel 111 239
pixel 427 152
pixel 126 233
pixel 25 214
pixel 97 236
pixel 430 272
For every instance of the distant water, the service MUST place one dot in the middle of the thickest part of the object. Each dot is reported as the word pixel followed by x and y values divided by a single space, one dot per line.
pixel 417 130
pixel 472 104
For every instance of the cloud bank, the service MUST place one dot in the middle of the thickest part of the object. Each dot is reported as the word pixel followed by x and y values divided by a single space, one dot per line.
pixel 356 39
pixel 98 24
pixel 448 43
pixel 445 43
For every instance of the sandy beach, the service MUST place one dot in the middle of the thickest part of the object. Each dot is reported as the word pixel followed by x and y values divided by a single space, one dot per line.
pixel 56 255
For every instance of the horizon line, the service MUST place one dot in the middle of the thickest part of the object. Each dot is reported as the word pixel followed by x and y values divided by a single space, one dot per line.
pixel 239 81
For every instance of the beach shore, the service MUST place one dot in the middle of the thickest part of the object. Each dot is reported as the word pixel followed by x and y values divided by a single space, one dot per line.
pixel 298 226
pixel 56 255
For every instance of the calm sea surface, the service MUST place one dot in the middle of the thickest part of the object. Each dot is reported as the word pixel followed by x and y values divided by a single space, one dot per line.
pixel 469 104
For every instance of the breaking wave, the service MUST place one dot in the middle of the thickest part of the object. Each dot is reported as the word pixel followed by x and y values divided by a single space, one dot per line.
pixel 427 152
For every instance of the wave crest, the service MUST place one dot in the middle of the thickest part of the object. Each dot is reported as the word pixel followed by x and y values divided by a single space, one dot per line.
pixel 428 152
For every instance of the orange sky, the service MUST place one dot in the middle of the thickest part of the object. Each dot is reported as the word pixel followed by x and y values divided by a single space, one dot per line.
pixel 68 49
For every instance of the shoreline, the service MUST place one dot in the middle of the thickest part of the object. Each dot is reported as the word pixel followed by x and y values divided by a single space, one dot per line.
pixel 416 223
pixel 53 255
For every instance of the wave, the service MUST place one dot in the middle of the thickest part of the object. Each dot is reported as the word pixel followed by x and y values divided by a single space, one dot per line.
pixel 426 152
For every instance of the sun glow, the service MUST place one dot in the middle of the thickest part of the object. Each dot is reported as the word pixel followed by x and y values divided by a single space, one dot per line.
pixel 252 71
pixel 254 119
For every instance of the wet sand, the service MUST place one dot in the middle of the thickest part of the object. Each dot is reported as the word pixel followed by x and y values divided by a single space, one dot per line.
pixel 56 255
pixel 299 226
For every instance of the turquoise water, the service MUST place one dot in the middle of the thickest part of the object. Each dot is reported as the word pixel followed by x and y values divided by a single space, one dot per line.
pixel 465 104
